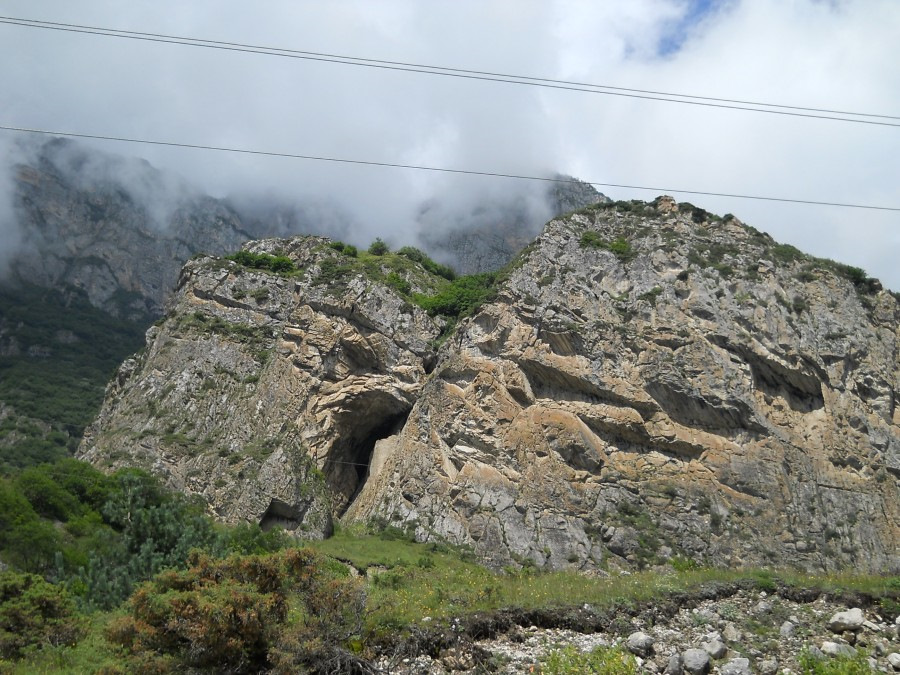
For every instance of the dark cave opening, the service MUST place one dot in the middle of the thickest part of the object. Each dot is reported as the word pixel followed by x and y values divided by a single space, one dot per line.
pixel 280 514
pixel 358 430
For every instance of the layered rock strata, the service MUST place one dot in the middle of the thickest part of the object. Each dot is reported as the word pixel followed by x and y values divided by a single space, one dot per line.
pixel 265 393
pixel 651 383
pixel 654 382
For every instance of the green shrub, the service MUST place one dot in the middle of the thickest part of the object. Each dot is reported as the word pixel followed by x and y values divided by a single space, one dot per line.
pixel 34 613
pixel 378 247
pixel 799 304
pixel 619 246
pixel 398 283
pixel 27 541
pixel 332 270
pixel 347 249
pixel 47 497
pixel 462 297
pixel 570 661
pixel 786 253
pixel 263 261
pixel 230 615
pixel 430 265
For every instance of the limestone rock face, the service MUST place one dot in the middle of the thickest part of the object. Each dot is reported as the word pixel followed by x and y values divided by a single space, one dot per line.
pixel 265 394
pixel 651 382
pixel 114 227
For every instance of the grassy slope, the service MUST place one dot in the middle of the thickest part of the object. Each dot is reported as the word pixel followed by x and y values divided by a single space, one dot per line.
pixel 427 585
pixel 59 387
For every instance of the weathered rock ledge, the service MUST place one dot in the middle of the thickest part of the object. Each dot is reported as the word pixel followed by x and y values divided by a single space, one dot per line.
pixel 651 382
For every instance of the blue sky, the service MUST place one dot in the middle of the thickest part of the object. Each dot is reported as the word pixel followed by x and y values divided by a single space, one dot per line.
pixel 678 32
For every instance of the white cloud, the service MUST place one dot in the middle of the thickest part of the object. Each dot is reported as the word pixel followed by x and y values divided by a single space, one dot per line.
pixel 841 55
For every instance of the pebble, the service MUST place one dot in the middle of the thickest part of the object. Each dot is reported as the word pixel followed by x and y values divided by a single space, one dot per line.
pixel 715 648
pixel 682 644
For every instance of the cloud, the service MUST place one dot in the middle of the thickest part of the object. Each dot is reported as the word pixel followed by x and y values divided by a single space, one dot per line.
pixel 839 55
pixel 10 232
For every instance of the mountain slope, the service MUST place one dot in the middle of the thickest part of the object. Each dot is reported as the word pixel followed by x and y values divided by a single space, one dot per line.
pixel 651 381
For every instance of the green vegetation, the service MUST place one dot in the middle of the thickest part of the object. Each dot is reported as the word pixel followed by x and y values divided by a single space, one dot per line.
pixel 460 297
pixel 240 600
pixel 290 610
pixel 278 264
pixel 33 612
pixel 99 535
pixel 430 265
pixel 619 246
pixel 347 249
pixel 811 664
pixel 570 661
pixel 378 247
pixel 785 253
pixel 413 275
pixel 59 352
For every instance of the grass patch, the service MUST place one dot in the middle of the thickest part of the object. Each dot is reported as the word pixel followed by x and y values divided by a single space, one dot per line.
pixel 619 246
pixel 277 264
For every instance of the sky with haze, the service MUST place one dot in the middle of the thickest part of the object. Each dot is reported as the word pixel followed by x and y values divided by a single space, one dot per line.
pixel 829 54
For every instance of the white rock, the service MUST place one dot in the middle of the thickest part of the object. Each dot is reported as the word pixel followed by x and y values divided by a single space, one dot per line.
pixel 852 619
pixel 768 667
pixel 715 648
pixel 836 649
pixel 786 630
pixel 894 660
pixel 640 644
pixel 732 633
pixel 736 667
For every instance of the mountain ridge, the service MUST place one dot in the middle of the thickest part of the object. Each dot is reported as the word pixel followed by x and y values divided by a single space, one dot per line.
pixel 650 382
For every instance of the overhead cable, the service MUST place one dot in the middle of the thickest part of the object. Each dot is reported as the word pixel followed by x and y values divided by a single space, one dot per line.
pixel 470 172
pixel 461 73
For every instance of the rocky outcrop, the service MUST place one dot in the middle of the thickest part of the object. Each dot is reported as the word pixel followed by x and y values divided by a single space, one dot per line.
pixel 266 394
pixel 651 383
pixel 654 382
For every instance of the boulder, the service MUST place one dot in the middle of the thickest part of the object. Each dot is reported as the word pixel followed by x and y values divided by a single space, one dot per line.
pixel 852 619
pixel 640 644
pixel 715 648
pixel 695 661
pixel 837 649
pixel 894 660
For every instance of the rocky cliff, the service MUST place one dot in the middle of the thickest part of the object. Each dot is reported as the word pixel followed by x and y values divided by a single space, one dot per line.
pixel 650 383
pixel 114 227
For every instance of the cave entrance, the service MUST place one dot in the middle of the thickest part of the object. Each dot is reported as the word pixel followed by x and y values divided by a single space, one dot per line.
pixel 281 514
pixel 357 429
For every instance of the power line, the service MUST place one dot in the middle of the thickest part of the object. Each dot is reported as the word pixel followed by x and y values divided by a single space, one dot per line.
pixel 470 172
pixel 461 73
